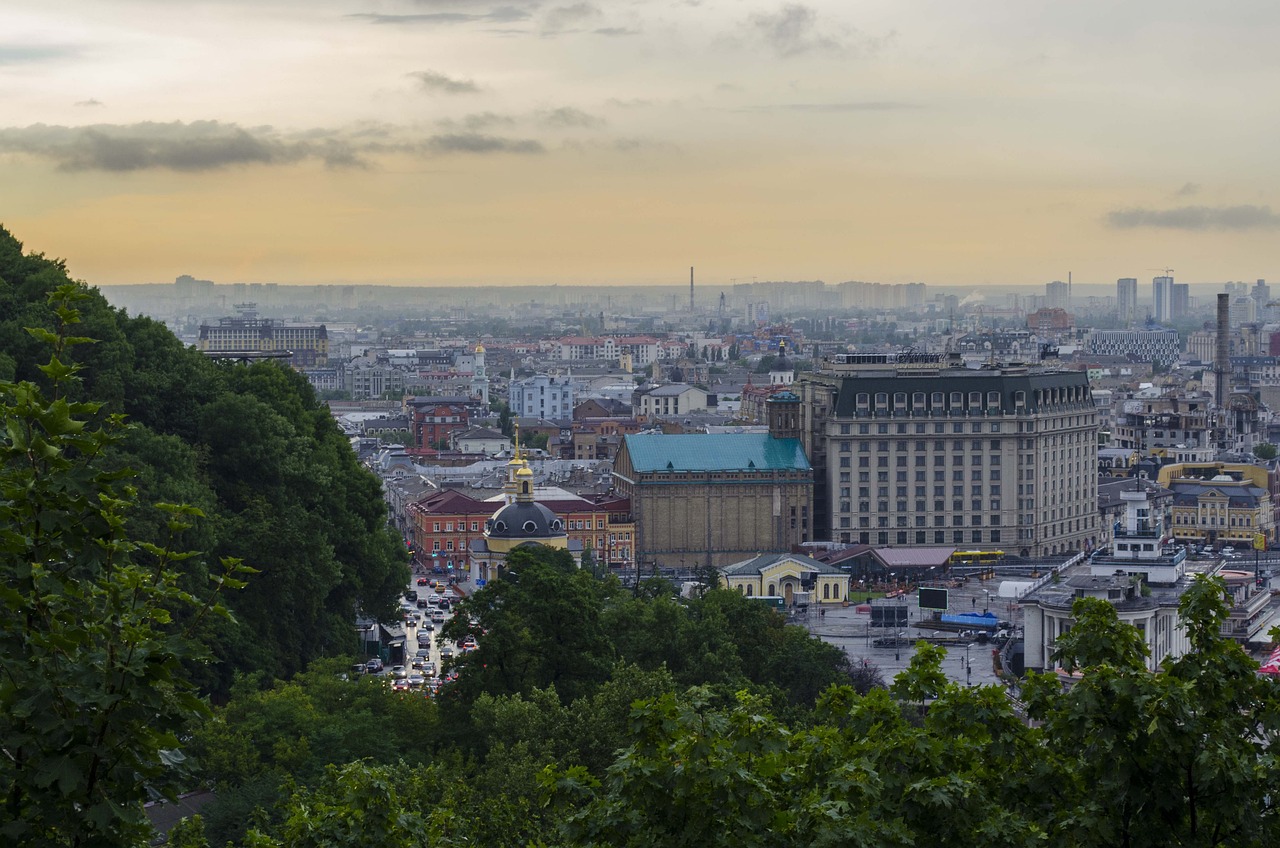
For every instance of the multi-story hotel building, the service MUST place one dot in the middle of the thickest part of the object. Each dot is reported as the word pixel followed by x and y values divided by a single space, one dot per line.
pixel 912 449
pixel 308 344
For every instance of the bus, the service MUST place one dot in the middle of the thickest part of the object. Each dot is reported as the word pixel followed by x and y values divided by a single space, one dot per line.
pixel 976 557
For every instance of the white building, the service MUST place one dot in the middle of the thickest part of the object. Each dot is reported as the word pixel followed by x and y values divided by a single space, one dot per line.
pixel 542 396
pixel 1142 577
pixel 671 399
pixel 1158 345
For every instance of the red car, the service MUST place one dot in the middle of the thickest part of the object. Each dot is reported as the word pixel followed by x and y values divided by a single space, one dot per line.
pixel 422 581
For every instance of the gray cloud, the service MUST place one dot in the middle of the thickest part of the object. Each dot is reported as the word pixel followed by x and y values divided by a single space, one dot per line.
pixel 501 14
pixel 566 117
pixel 561 18
pixel 483 121
pixel 848 106
pixel 793 30
pixel 210 146
pixel 476 143
pixel 1187 190
pixel 437 82
pixel 616 32
pixel 21 54
pixel 90 102
pixel 1244 217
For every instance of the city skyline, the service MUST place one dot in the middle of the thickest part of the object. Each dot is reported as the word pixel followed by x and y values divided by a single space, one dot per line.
pixel 453 141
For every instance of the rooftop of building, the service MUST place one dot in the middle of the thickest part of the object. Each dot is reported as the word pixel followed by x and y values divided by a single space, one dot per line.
pixel 757 564
pixel 715 452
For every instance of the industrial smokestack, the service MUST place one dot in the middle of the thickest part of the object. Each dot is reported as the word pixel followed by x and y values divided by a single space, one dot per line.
pixel 1221 364
pixel 690 288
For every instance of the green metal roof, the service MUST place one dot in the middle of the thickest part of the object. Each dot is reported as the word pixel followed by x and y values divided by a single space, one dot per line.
pixel 715 452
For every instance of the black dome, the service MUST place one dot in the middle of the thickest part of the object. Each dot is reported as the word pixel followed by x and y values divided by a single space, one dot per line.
pixel 524 521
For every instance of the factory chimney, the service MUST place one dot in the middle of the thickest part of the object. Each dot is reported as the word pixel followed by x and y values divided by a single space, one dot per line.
pixel 690 288
pixel 1221 362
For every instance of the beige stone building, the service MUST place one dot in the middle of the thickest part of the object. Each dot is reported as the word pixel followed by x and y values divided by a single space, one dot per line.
pixel 714 499
pixel 912 449
pixel 792 577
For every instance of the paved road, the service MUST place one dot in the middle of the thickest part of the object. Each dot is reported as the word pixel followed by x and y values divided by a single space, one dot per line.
pixel 852 632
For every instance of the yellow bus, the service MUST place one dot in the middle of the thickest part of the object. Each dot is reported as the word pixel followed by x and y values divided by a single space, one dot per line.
pixel 976 557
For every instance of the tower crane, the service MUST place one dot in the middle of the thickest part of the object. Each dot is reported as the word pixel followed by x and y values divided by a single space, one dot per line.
pixel 1168 272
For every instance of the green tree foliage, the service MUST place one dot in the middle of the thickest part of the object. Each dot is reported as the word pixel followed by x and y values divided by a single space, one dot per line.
pixel 1264 451
pixel 251 447
pixel 538 627
pixel 271 737
pixel 1182 756
pixel 94 624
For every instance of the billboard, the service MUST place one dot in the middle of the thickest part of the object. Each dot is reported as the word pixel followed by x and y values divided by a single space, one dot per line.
pixel 935 599
pixel 885 615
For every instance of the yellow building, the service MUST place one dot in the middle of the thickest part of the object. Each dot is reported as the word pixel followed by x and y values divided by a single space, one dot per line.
pixel 794 577
pixel 1255 474
pixel 1219 503
pixel 521 522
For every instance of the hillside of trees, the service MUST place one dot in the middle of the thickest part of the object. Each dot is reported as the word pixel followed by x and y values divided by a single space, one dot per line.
pixel 251 447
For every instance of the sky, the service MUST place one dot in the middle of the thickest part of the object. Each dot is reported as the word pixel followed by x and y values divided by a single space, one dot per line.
pixel 601 141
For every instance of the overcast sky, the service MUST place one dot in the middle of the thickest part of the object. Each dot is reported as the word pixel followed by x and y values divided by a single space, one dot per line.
pixel 506 140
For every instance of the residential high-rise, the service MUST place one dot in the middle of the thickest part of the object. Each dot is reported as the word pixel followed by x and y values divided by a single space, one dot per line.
pixel 1057 295
pixel 1180 306
pixel 1162 299
pixel 913 449
pixel 1127 299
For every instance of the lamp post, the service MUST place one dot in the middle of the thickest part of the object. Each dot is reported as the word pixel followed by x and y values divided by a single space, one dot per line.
pixel 986 600
pixel 968 666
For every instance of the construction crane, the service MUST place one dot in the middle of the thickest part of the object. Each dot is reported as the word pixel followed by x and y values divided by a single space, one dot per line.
pixel 1168 272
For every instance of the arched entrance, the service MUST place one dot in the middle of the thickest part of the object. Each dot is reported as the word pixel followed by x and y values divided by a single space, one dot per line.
pixel 788 592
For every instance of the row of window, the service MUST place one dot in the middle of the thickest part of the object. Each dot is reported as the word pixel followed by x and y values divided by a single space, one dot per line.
pixel 830 591
pixel 573 524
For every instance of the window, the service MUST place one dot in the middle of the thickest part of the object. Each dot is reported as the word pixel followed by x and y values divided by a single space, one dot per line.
pixel 435 527
pixel 939 536
pixel 902 537
pixel 976 536
pixel 957 537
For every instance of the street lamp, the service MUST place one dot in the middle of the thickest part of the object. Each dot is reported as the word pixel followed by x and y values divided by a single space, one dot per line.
pixel 968 666
pixel 986 600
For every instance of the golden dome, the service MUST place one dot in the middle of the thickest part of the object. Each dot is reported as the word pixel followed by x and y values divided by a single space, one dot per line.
pixel 479 348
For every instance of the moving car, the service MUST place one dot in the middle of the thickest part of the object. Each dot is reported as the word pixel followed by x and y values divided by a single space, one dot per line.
pixel 373 665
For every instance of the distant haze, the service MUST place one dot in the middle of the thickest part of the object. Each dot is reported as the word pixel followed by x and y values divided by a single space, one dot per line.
pixel 981 144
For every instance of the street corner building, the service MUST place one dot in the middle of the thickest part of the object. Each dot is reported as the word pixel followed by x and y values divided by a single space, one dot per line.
pixel 795 578
pixel 715 499
pixel 915 449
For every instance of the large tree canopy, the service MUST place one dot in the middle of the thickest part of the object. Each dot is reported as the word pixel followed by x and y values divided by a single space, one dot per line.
pixel 250 446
